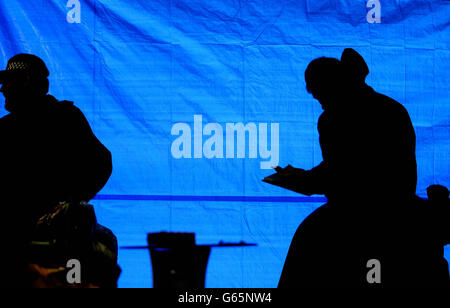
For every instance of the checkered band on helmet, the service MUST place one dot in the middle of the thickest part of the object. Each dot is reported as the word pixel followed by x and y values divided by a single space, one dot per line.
pixel 12 66
pixel 27 63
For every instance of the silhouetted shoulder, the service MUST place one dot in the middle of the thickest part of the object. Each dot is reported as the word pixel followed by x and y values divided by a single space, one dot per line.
pixel 390 103
pixel 395 114
pixel 71 115
pixel 69 108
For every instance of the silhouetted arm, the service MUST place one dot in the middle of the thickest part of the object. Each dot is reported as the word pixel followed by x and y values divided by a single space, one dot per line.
pixel 92 160
pixel 309 182
pixel 306 182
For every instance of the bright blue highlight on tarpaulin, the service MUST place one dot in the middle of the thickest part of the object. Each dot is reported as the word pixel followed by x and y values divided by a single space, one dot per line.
pixel 138 67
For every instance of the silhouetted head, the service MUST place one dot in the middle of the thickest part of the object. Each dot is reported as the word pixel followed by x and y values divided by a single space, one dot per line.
pixel 323 78
pixel 354 68
pixel 333 82
pixel 24 80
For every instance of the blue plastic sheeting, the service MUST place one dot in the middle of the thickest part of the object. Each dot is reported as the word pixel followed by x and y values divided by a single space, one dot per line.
pixel 137 68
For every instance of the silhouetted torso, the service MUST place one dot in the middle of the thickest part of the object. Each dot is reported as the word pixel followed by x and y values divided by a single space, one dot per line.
pixel 369 176
pixel 48 154
pixel 368 148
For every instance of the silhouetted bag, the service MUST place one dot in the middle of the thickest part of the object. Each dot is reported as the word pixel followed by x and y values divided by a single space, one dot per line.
pixel 70 231
pixel 64 229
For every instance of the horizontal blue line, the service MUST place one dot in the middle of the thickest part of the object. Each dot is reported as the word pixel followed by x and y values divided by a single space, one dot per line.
pixel 210 198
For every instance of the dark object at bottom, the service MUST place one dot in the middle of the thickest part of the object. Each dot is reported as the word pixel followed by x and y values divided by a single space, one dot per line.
pixel 179 268
pixel 177 262
pixel 71 231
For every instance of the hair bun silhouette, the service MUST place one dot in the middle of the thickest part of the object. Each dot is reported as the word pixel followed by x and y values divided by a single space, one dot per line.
pixel 354 65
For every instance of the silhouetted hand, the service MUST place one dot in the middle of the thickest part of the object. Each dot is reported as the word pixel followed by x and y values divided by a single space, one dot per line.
pixel 42 277
pixel 296 179
pixel 289 172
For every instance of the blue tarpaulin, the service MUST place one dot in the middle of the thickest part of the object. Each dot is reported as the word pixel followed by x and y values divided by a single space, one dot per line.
pixel 164 83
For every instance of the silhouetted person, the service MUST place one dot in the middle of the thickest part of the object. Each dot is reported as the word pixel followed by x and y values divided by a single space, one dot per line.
pixel 48 151
pixel 367 139
pixel 368 175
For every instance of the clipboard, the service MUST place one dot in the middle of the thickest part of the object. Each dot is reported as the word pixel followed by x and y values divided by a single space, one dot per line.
pixel 277 180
